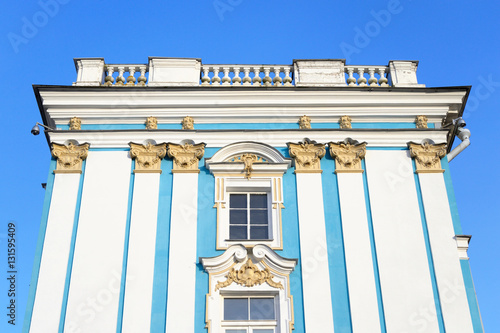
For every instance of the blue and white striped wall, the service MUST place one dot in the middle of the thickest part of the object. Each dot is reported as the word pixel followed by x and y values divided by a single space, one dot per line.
pixel 118 251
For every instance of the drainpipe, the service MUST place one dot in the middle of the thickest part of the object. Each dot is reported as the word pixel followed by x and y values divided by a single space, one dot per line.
pixel 464 135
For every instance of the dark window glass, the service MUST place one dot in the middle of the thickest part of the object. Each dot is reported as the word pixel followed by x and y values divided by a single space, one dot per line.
pixel 258 216
pixel 238 201
pixel 238 232
pixel 258 200
pixel 236 309
pixel 238 216
pixel 258 232
pixel 261 308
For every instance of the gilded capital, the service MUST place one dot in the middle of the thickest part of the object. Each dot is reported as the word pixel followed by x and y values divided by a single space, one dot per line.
pixel 151 123
pixel 75 124
pixel 427 156
pixel 188 123
pixel 348 155
pixel 186 156
pixel 147 157
pixel 305 122
pixel 69 157
pixel 421 122
pixel 345 122
pixel 307 155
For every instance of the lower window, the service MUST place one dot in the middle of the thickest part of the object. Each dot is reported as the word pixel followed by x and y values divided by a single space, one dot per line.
pixel 250 315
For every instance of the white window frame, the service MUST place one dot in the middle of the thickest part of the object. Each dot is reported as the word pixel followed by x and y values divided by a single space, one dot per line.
pixel 248 211
pixel 268 185
pixel 249 324
pixel 266 177
pixel 264 258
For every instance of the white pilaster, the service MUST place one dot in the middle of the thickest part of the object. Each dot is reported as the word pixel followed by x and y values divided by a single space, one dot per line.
pixel 360 274
pixel 97 263
pixel 313 251
pixel 182 254
pixel 402 257
pixel 450 283
pixel 141 254
pixel 56 247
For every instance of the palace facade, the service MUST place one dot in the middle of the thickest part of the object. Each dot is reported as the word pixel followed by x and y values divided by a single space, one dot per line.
pixel 312 197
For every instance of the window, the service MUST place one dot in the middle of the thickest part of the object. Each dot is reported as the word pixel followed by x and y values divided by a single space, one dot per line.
pixel 238 305
pixel 248 194
pixel 248 216
pixel 249 315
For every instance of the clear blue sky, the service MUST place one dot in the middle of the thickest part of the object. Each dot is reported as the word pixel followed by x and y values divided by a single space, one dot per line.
pixel 456 42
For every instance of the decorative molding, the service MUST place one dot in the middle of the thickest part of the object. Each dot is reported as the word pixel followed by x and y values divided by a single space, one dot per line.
pixel 348 155
pixel 258 259
pixel 186 156
pixel 147 157
pixel 249 275
pixel 75 124
pixel 463 245
pixel 305 122
pixel 421 122
pixel 345 122
pixel 188 123
pixel 69 157
pixel 151 123
pixel 120 139
pixel 248 160
pixel 427 156
pixel 307 155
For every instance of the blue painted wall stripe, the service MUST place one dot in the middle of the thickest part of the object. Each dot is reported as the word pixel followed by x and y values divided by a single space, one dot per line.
pixel 291 242
pixel 435 290
pixel 39 246
pixel 160 275
pixel 457 227
pixel 205 238
pixel 72 249
pixel 125 249
pixel 477 322
pixel 380 301
pixel 335 242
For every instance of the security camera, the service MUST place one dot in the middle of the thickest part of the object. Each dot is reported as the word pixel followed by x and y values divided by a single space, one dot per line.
pixel 35 130
pixel 459 122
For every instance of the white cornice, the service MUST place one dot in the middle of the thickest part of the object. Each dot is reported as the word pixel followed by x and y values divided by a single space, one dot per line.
pixel 374 138
pixel 254 105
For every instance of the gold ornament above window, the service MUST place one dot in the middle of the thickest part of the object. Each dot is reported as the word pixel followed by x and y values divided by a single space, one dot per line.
pixel 249 275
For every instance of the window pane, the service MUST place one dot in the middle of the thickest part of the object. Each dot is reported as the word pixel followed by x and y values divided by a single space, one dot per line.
pixel 238 201
pixel 237 216
pixel 242 331
pixel 258 200
pixel 258 233
pixel 235 308
pixel 258 216
pixel 238 232
pixel 267 330
pixel 261 308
